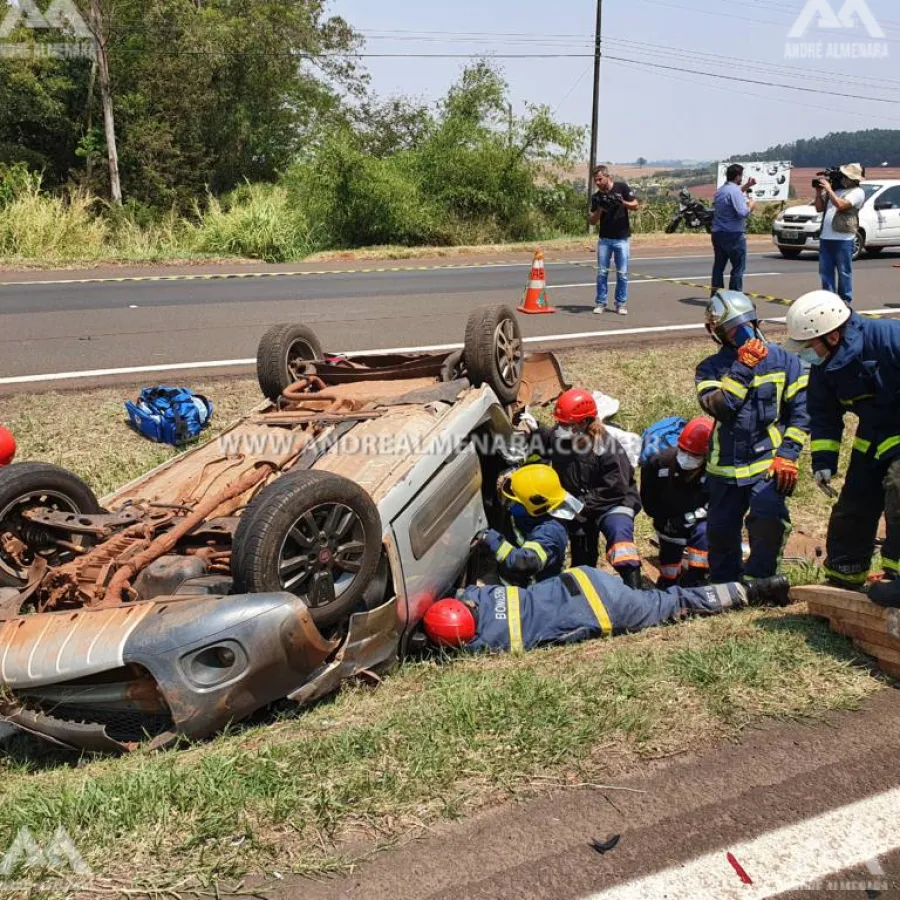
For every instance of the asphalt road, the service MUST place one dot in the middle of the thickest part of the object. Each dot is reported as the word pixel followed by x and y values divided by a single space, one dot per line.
pixel 63 327
pixel 807 811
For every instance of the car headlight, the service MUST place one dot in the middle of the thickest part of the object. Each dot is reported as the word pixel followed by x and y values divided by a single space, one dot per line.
pixel 819 219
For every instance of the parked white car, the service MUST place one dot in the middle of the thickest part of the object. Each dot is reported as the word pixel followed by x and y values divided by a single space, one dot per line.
pixel 798 228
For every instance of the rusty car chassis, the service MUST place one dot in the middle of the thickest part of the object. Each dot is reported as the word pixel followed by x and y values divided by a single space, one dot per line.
pixel 299 548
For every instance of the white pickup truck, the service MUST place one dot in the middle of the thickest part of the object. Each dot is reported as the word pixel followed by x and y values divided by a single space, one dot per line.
pixel 798 228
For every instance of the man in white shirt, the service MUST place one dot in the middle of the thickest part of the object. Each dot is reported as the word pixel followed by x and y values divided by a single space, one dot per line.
pixel 839 230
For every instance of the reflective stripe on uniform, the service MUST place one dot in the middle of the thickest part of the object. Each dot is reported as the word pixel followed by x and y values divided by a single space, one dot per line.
pixel 861 445
pixel 856 578
pixel 704 386
pixel 823 446
pixel 750 471
pixel 793 389
pixel 514 612
pixel 623 552
pixel 670 573
pixel 592 597
pixel 796 434
pixel 697 559
pixel 891 565
pixel 775 437
pixel 734 387
pixel 503 551
pixel 535 547
pixel 849 403
pixel 884 446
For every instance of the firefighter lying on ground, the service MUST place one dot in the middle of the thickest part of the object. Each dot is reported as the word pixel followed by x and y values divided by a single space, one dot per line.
pixel 594 468
pixel 756 392
pixel 674 495
pixel 579 605
pixel 855 367
pixel 539 509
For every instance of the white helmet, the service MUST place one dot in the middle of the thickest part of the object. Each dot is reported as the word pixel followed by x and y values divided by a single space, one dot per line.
pixel 814 315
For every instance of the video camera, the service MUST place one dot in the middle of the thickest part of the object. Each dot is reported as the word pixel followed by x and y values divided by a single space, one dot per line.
pixel 606 202
pixel 833 176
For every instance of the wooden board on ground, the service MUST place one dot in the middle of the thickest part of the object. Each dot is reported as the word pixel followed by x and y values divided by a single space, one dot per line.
pixel 872 628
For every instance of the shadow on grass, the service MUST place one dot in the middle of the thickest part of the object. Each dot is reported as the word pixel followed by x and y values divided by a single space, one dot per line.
pixel 818 636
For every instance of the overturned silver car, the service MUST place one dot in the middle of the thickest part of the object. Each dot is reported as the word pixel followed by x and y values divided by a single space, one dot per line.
pixel 299 548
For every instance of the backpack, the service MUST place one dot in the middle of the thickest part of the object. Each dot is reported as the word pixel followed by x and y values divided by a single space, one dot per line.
pixel 169 415
pixel 660 436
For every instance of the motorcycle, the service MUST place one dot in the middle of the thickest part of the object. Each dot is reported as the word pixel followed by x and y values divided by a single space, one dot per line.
pixel 693 213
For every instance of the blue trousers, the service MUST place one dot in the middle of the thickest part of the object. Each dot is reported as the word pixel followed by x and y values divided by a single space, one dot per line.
pixel 673 548
pixel 607 250
pixel 837 256
pixel 618 530
pixel 768 524
pixel 729 247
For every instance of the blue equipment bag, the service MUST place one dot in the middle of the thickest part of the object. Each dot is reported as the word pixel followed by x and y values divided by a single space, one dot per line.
pixel 660 436
pixel 169 415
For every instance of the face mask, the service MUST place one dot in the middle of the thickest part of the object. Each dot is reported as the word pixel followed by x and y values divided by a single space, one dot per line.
pixel 743 334
pixel 517 511
pixel 688 462
pixel 809 355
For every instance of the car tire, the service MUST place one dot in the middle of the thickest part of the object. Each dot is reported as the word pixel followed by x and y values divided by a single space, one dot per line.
pixel 313 534
pixel 789 252
pixel 494 352
pixel 281 353
pixel 859 244
pixel 27 485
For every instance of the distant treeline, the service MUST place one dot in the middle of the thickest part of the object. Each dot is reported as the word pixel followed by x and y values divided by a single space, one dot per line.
pixel 872 147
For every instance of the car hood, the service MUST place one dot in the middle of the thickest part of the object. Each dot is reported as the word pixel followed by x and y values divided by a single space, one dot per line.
pixel 806 210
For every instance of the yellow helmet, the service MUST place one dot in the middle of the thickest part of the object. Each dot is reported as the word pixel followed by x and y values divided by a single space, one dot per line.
pixel 537 488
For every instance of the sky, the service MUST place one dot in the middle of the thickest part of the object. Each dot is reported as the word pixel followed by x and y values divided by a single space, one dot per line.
pixel 657 113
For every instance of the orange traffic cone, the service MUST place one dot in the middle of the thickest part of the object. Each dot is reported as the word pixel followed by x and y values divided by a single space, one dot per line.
pixel 536 302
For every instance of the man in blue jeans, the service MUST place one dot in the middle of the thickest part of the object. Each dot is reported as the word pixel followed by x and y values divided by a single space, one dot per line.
pixel 729 231
pixel 609 211
pixel 840 202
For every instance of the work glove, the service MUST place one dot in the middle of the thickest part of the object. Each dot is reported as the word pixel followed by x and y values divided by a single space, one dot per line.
pixel 752 353
pixel 823 482
pixel 785 473
pixel 527 422
pixel 490 538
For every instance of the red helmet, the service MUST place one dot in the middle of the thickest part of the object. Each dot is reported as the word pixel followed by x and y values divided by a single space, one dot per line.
pixel 574 406
pixel 449 623
pixel 7 447
pixel 696 435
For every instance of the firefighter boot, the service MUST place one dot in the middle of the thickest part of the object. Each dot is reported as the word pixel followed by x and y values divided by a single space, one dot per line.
pixel 768 591
pixel 632 578
pixel 886 593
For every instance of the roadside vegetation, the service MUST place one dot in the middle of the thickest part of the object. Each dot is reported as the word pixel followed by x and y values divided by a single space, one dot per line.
pixel 312 793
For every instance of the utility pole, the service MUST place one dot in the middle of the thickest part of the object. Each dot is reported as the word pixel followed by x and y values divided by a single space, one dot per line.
pixel 595 114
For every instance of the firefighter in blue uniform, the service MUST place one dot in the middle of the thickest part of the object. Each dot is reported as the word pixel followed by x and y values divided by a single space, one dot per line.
pixel 855 367
pixel 756 392
pixel 539 509
pixel 581 604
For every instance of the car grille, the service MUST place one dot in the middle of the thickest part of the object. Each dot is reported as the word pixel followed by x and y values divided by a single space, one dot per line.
pixel 798 219
pixel 123 725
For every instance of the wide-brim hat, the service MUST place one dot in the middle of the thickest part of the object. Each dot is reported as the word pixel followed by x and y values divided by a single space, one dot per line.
pixel 853 171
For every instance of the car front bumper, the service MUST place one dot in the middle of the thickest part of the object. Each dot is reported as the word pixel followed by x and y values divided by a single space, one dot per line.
pixel 797 238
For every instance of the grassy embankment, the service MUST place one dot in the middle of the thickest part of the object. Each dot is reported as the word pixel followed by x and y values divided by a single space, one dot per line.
pixel 438 739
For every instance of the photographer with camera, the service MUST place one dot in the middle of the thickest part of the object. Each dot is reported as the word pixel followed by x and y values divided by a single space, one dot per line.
pixel 609 210
pixel 729 229
pixel 840 198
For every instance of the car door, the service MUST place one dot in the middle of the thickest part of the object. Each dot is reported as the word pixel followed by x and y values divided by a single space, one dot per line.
pixel 434 532
pixel 887 211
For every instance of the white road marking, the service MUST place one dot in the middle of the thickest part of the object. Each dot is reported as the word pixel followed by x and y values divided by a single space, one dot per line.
pixel 430 348
pixel 798 856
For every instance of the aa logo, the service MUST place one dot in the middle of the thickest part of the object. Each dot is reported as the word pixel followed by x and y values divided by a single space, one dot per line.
pixel 850 16
pixel 59 855
pixel 61 14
